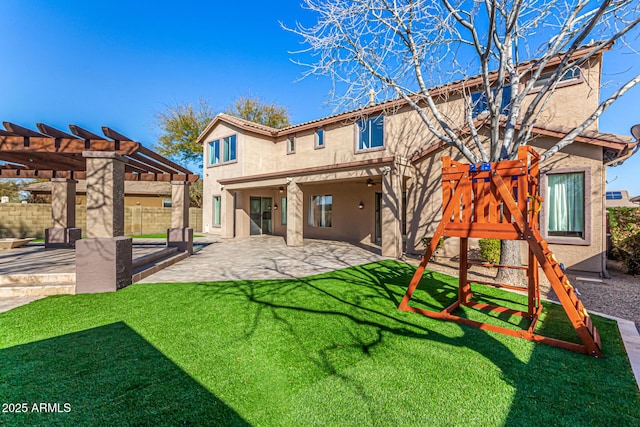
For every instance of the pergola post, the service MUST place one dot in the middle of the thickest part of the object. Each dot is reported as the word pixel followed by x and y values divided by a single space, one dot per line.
pixel 63 232
pixel 180 235
pixel 103 259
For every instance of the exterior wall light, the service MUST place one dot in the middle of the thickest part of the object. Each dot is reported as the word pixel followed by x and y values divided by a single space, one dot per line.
pixel 275 207
pixel 361 205
pixel 281 189
pixel 369 182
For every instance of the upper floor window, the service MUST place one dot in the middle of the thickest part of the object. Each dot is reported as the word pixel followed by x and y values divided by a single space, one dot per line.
pixel 480 105
pixel 320 138
pixel 223 150
pixel 572 74
pixel 371 133
pixel 291 145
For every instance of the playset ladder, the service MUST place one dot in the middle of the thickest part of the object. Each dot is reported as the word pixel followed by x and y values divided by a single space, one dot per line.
pixel 501 200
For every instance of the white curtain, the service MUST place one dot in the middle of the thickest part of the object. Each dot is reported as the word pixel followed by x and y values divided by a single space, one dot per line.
pixel 566 203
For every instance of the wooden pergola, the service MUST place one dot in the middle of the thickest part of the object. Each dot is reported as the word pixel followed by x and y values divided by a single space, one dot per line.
pixel 103 257
pixel 51 153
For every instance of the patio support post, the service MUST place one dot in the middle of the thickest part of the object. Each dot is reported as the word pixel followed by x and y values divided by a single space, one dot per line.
pixel 63 232
pixel 391 214
pixel 295 217
pixel 227 213
pixel 180 235
pixel 103 259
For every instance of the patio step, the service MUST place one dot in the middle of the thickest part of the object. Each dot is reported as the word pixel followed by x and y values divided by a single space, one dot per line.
pixel 152 257
pixel 150 268
pixel 28 285
pixel 36 290
pixel 38 279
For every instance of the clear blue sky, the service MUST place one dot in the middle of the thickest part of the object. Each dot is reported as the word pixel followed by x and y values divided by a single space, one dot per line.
pixel 116 63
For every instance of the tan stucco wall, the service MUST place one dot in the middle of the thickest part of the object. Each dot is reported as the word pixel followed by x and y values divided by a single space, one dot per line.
pixel 349 223
pixel 405 136
pixel 571 104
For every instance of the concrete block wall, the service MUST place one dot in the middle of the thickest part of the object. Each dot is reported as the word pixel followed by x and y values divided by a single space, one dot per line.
pixel 30 220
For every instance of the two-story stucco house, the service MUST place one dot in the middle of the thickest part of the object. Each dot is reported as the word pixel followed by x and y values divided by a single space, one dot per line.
pixel 372 175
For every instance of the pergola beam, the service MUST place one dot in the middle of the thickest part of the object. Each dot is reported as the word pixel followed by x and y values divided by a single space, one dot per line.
pixel 43 161
pixel 52 153
pixel 116 136
pixel 83 133
pixel 159 158
pixel 21 131
pixel 51 131
pixel 50 173
pixel 46 144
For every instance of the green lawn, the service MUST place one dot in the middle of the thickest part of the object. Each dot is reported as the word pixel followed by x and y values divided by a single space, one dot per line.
pixel 326 350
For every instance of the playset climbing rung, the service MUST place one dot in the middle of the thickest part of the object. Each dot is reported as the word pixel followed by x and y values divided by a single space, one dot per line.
pixel 501 200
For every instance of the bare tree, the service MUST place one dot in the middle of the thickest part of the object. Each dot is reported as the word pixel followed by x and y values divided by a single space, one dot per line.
pixel 414 49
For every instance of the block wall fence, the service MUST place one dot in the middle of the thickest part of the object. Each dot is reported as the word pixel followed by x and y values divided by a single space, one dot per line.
pixel 30 220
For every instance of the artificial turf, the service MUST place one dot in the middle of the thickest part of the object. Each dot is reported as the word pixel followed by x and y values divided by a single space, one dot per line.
pixel 330 349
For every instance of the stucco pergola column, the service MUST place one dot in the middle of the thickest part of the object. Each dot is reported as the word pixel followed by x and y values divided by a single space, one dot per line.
pixel 391 214
pixel 295 216
pixel 180 235
pixel 227 214
pixel 103 259
pixel 63 232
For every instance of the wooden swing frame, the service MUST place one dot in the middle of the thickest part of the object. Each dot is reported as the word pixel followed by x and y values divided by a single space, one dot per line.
pixel 501 200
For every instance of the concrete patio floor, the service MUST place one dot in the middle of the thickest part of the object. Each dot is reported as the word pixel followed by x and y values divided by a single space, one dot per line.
pixel 35 259
pixel 263 257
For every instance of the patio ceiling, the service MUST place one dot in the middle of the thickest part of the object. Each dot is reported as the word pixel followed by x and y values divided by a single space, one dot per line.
pixel 51 153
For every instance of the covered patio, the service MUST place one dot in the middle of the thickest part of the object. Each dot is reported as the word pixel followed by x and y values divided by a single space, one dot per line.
pixel 103 259
pixel 359 202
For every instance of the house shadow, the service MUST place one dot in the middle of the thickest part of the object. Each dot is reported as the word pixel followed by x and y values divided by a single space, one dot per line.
pixel 108 375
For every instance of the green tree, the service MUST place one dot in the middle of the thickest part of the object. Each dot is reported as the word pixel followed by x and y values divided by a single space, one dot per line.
pixel 181 124
pixel 11 189
pixel 180 127
pixel 255 110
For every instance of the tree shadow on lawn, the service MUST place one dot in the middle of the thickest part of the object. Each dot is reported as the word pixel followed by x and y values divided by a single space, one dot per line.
pixel 551 385
pixel 108 375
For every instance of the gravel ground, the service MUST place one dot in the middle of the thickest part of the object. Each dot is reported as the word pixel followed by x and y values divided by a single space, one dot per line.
pixel 618 296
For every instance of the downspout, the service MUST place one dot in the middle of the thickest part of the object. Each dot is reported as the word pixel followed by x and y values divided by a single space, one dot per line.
pixel 603 200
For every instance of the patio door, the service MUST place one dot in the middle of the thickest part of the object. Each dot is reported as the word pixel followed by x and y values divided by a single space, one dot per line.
pixel 260 215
